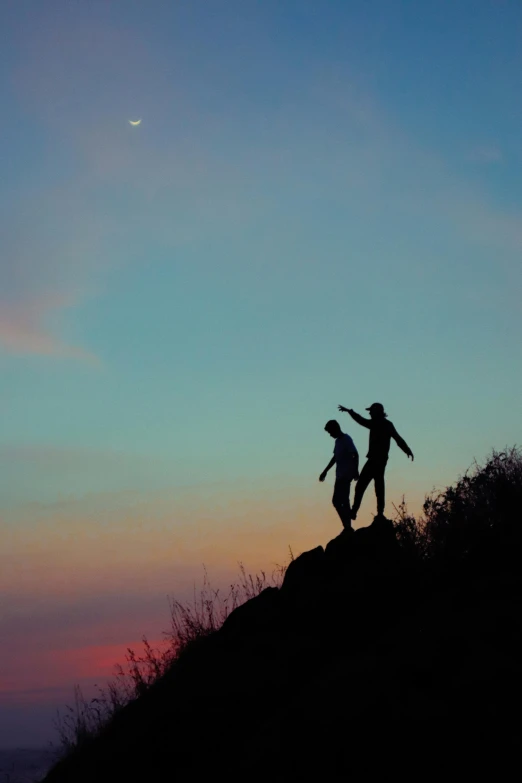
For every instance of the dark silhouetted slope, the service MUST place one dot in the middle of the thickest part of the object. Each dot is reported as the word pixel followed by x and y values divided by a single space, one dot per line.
pixel 394 650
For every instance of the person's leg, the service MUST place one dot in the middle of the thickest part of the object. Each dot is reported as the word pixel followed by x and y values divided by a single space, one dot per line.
pixel 341 501
pixel 365 477
pixel 379 487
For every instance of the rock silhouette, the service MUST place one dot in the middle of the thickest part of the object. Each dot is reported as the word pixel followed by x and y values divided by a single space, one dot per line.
pixel 372 658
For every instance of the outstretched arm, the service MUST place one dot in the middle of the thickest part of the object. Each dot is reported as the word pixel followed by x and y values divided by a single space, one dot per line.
pixel 401 443
pixel 356 417
pixel 327 468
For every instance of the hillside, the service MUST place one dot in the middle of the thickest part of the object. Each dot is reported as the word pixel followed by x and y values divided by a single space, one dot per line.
pixel 395 649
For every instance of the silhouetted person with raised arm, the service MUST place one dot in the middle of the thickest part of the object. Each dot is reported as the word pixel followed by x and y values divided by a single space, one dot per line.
pixel 346 460
pixel 381 433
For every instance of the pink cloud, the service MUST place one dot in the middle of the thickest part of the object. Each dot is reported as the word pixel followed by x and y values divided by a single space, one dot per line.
pixel 24 331
pixel 52 668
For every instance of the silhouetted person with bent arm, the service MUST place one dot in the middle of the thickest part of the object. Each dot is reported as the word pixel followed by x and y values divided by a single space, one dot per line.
pixel 346 460
pixel 381 433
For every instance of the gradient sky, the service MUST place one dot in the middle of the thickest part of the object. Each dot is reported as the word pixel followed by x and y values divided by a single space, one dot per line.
pixel 321 205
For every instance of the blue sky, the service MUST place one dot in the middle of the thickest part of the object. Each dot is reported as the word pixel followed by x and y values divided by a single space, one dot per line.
pixel 321 205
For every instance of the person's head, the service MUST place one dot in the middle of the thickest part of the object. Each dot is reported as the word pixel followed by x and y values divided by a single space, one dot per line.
pixel 377 411
pixel 333 428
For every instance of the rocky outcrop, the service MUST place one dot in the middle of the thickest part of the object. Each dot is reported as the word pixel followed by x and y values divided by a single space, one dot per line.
pixel 362 664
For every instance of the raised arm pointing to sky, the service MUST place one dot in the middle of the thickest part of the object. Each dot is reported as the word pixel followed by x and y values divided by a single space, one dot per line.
pixel 381 432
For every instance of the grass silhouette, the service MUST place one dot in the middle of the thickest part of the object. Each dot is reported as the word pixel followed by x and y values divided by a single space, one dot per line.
pixel 85 719
pixel 395 648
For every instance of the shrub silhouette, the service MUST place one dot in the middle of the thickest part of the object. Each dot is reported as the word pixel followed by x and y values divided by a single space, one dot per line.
pixel 482 510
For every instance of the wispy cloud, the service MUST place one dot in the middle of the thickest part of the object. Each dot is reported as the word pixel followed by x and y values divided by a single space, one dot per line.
pixel 84 78
pixel 488 153
pixel 24 329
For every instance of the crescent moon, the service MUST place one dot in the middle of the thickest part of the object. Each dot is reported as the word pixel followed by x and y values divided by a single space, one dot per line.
pixel 134 122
